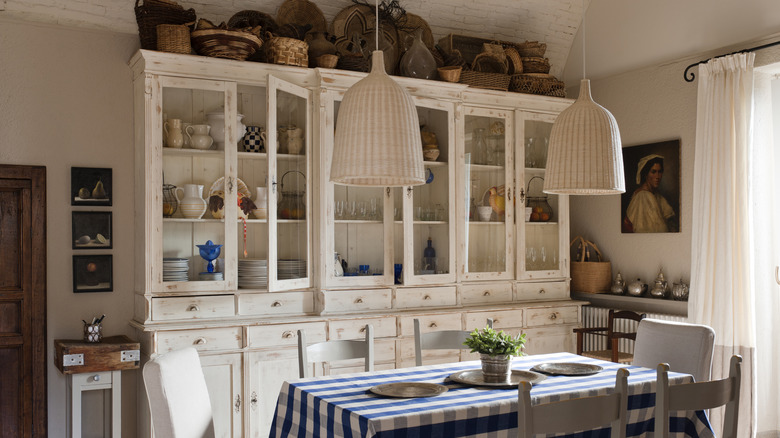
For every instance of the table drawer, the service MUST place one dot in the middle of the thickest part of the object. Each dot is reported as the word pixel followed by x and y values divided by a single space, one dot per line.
pixel 542 291
pixel 283 335
pixel 501 319
pixel 430 323
pixel 539 316
pixel 276 303
pixel 210 306
pixel 355 328
pixel 340 301
pixel 226 338
pixel 486 293
pixel 425 297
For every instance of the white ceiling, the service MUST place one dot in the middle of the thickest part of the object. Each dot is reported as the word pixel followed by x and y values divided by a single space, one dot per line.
pixel 622 35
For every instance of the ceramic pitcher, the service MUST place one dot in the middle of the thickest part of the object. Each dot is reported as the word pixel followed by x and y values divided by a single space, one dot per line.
pixel 261 202
pixel 255 138
pixel 191 202
pixel 294 140
pixel 173 135
pixel 199 137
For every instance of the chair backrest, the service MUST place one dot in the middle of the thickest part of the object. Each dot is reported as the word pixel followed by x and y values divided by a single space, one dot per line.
pixel 178 397
pixel 439 340
pixel 577 414
pixel 614 332
pixel 687 348
pixel 336 350
pixel 698 396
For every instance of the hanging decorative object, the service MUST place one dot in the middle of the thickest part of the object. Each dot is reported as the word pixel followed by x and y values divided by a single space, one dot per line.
pixel 585 156
pixel 377 141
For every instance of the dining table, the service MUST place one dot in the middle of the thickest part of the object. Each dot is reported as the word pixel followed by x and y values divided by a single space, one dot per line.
pixel 374 404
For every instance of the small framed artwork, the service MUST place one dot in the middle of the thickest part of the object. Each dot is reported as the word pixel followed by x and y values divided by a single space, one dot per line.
pixel 651 203
pixel 91 230
pixel 93 273
pixel 90 186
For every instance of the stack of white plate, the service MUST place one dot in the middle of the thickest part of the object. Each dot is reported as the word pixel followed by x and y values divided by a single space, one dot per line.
pixel 288 269
pixel 252 273
pixel 175 269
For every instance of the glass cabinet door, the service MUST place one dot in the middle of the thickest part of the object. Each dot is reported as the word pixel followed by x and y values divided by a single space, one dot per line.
pixel 289 201
pixel 486 211
pixel 191 186
pixel 428 209
pixel 543 238
pixel 358 221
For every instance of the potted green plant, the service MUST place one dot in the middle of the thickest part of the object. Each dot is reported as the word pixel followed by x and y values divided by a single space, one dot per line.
pixel 496 349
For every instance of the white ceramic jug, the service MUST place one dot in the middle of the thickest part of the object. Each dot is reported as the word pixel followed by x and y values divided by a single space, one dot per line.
pixel 173 135
pixel 191 202
pixel 261 202
pixel 199 136
pixel 217 122
pixel 294 140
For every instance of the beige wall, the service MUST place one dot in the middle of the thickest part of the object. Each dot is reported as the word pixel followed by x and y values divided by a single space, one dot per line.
pixel 66 100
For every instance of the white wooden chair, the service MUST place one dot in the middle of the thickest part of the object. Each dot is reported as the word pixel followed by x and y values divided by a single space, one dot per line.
pixel 574 415
pixel 687 348
pixel 439 340
pixel 178 397
pixel 697 396
pixel 336 350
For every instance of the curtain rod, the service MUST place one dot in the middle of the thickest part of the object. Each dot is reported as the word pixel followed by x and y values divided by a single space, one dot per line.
pixel 686 73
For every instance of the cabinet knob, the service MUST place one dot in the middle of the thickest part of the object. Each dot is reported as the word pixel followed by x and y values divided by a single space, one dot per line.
pixel 276 304
pixel 362 329
pixel 432 325
pixel 486 293
pixel 542 291
pixel 193 308
pixel 427 297
pixel 409 192
pixel 199 341
pixel 554 316
pixel 237 404
pixel 509 194
pixel 288 334
pixel 253 401
pixel 359 301
pixel 96 378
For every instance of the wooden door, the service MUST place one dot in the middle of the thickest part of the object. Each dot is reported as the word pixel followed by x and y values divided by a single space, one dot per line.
pixel 22 301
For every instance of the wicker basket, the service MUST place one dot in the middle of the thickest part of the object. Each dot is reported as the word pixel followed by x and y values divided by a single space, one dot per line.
pixel 223 43
pixel 536 65
pixel 488 63
pixel 353 63
pixel 450 73
pixel 287 51
pixel 173 38
pixel 491 81
pixel 155 12
pixel 590 277
pixel 531 49
pixel 537 83
pixel 514 62
pixel 249 18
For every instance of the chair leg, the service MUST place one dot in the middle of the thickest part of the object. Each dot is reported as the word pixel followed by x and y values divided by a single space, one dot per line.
pixel 579 342
pixel 615 351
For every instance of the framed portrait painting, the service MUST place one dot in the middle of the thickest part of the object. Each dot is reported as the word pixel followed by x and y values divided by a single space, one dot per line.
pixel 651 203
pixel 90 186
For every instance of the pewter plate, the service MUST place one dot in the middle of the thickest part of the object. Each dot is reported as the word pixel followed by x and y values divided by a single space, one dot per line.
pixel 567 368
pixel 475 378
pixel 409 389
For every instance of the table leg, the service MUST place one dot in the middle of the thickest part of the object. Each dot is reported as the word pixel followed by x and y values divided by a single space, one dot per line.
pixel 116 404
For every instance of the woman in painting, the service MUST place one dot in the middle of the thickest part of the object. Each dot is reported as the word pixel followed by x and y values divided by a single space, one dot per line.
pixel 649 211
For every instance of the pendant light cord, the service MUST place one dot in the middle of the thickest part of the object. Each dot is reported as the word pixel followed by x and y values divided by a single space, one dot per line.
pixel 376 30
pixel 584 10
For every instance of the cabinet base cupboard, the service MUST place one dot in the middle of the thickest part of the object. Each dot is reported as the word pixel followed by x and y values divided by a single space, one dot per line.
pixel 295 251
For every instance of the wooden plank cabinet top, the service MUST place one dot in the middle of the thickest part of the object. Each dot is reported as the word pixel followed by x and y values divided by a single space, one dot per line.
pixel 112 353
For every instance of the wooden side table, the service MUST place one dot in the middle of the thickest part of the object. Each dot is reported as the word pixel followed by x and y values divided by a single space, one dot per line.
pixel 96 366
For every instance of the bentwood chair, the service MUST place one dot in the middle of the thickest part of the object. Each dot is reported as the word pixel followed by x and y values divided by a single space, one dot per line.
pixel 439 340
pixel 178 397
pixel 329 351
pixel 613 334
pixel 687 348
pixel 698 396
pixel 579 414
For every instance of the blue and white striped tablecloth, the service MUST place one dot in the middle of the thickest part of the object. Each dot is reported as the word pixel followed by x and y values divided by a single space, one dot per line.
pixel 343 406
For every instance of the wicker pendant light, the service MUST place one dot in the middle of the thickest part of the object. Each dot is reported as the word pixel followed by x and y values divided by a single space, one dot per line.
pixel 377 141
pixel 585 152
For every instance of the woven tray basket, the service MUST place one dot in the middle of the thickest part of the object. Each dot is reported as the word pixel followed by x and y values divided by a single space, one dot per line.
pixel 173 38
pixel 155 12
pixel 287 51
pixel 536 65
pixel 353 63
pixel 223 43
pixel 491 81
pixel 537 83
pixel 531 49
pixel 590 277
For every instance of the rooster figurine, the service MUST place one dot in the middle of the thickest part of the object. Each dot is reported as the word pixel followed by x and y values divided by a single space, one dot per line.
pixel 497 200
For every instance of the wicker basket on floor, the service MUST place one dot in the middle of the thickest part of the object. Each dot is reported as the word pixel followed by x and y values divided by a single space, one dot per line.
pixel 491 81
pixel 173 38
pixel 155 12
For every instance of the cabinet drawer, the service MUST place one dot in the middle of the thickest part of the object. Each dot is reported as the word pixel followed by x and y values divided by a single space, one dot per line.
pixel 276 303
pixel 501 319
pixel 542 291
pixel 550 339
pixel 227 338
pixel 282 335
pixel 171 308
pixel 339 301
pixel 355 328
pixel 486 293
pixel 407 356
pixel 425 297
pixel 550 316
pixel 430 323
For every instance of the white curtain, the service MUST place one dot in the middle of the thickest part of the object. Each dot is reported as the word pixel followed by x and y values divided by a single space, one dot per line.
pixel 722 256
pixel 765 205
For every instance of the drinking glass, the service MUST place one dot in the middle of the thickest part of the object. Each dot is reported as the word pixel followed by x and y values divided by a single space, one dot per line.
pixel 530 152
pixel 362 210
pixel 351 210
pixel 339 210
